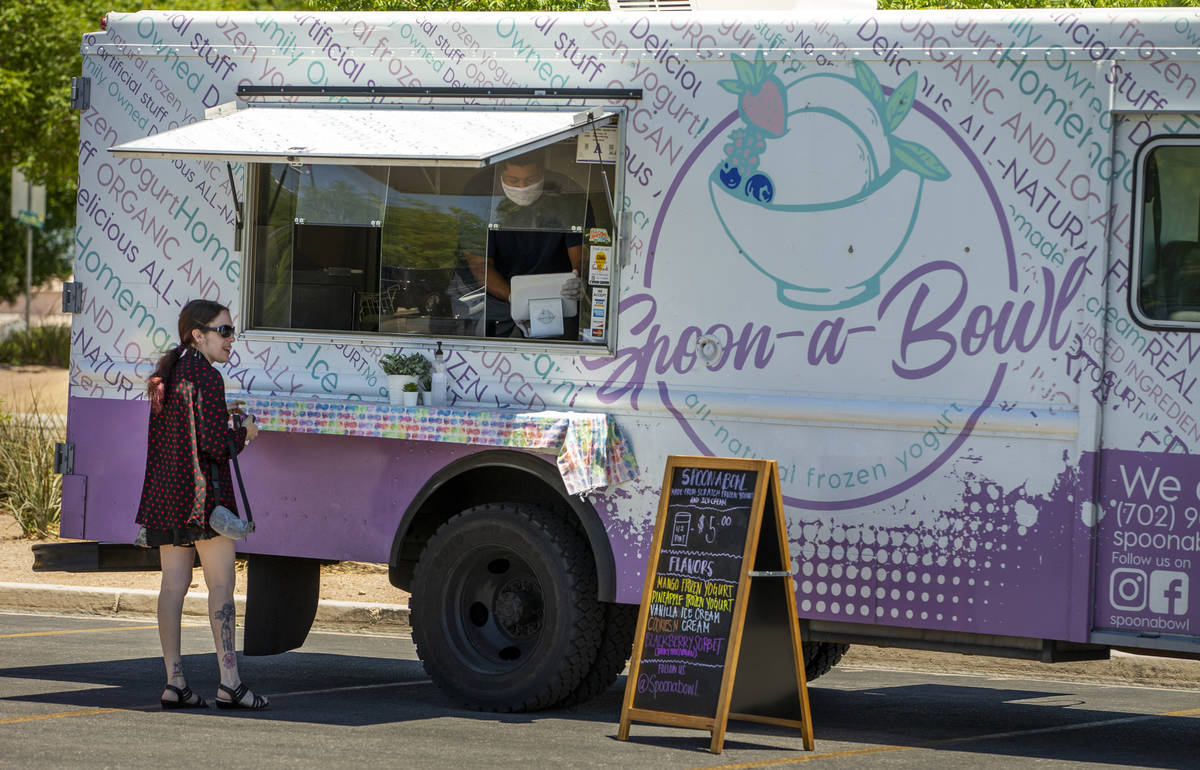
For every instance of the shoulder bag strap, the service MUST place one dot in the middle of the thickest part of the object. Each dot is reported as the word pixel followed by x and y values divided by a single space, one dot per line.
pixel 241 485
pixel 216 479
pixel 233 455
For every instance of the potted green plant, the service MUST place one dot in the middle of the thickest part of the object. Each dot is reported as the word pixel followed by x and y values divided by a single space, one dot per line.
pixel 400 370
pixel 410 393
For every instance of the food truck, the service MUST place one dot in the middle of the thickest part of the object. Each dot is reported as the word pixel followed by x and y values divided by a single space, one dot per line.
pixel 943 267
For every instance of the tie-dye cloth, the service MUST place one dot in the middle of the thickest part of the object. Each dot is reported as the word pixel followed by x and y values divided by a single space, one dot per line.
pixel 592 451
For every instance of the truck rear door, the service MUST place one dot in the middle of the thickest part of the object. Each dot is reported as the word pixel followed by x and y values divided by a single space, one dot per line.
pixel 1147 496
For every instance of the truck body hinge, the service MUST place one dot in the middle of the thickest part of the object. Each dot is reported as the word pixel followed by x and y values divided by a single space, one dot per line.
pixel 72 297
pixel 81 93
pixel 64 458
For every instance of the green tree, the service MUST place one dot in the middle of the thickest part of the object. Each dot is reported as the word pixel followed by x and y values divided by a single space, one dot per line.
pixel 37 129
pixel 39 132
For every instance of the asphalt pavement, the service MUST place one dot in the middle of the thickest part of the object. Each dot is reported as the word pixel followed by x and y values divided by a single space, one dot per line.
pixel 85 689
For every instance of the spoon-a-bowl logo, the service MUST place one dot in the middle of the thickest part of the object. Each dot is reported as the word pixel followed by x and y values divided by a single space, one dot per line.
pixel 888 248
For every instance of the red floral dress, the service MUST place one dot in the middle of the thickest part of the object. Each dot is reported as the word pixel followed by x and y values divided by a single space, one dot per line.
pixel 186 438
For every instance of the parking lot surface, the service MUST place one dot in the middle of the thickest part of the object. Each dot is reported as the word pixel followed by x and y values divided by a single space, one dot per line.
pixel 76 689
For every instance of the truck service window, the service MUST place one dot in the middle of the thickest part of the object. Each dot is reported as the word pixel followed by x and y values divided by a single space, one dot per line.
pixel 506 250
pixel 1167 224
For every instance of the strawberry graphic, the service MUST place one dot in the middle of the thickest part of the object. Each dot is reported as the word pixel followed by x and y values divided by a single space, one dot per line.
pixel 762 100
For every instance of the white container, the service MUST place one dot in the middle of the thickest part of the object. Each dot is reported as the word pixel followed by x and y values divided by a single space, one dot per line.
pixel 396 383
pixel 438 380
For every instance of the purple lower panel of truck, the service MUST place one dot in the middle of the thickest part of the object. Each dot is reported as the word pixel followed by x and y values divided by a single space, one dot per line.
pixel 344 498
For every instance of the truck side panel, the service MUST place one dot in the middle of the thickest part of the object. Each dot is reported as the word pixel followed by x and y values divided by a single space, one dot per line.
pixel 326 497
pixel 881 250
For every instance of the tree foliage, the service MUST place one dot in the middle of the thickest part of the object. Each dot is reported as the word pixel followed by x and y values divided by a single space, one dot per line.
pixel 41 52
pixel 39 132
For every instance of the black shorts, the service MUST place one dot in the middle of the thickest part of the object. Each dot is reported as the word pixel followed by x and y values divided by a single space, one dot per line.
pixel 183 537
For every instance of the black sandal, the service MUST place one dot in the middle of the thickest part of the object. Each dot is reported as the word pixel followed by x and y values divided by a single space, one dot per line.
pixel 257 704
pixel 185 701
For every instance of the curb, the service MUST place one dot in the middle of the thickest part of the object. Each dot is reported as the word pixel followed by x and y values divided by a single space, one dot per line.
pixel 141 601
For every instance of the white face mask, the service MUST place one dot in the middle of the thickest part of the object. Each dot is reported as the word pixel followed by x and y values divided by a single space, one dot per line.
pixel 523 196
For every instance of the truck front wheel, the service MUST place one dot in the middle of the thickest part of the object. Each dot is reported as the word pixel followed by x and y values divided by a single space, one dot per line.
pixel 504 610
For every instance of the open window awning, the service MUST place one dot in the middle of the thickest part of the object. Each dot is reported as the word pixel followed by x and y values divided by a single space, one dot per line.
pixel 364 136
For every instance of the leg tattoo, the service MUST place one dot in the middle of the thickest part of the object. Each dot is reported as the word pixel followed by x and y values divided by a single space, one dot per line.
pixel 228 653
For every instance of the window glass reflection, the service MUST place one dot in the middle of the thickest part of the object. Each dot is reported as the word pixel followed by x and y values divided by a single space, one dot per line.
pixel 435 250
pixel 1169 270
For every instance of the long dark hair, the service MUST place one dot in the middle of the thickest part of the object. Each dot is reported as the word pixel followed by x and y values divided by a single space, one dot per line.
pixel 196 314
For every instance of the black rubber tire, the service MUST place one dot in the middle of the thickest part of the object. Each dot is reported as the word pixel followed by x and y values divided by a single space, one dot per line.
pixel 503 609
pixel 820 657
pixel 616 645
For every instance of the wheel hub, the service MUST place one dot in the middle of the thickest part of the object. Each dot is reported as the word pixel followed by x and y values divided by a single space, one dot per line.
pixel 518 608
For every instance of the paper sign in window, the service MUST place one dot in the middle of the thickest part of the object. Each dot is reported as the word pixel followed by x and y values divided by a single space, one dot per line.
pixel 598 262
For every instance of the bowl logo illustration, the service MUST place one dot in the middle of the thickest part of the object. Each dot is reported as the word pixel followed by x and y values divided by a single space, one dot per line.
pixel 852 190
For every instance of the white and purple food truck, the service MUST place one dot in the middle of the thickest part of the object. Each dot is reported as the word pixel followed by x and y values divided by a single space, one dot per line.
pixel 944 267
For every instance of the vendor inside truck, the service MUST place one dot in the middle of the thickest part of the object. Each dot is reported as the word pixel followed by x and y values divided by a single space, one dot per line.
pixel 531 234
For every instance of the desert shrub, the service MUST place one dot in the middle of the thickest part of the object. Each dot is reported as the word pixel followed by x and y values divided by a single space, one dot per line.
pixel 48 345
pixel 30 490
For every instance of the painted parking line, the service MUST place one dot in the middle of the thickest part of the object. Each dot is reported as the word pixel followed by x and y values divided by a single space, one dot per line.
pixel 957 741
pixel 59 715
pixel 78 631
pixel 350 688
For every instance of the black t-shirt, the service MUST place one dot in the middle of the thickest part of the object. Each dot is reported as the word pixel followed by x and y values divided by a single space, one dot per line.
pixel 530 252
pixel 533 239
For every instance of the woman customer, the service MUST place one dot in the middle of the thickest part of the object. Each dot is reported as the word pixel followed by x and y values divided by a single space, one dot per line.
pixel 187 475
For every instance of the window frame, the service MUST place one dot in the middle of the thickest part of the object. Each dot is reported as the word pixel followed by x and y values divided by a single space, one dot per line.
pixel 254 334
pixel 1133 285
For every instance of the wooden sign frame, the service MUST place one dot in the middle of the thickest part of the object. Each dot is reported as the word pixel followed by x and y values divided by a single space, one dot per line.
pixel 766 590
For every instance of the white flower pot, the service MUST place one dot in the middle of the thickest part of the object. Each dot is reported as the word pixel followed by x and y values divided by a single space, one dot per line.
pixel 410 397
pixel 396 383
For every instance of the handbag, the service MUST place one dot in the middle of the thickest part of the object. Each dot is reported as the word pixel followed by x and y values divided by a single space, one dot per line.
pixel 224 521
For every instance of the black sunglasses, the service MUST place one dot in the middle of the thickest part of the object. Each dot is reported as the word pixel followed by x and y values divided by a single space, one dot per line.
pixel 225 330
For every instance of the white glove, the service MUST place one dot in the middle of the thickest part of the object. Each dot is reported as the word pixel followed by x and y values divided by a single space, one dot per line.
pixel 572 288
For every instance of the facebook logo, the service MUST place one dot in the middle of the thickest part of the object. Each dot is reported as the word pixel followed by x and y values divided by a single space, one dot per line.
pixel 1168 592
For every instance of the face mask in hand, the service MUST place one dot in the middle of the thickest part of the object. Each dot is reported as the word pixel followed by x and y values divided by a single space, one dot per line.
pixel 523 196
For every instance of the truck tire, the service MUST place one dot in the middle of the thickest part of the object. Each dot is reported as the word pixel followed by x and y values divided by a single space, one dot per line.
pixel 616 644
pixel 504 610
pixel 819 657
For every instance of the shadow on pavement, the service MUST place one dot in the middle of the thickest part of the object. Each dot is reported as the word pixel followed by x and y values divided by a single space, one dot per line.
pixel 348 690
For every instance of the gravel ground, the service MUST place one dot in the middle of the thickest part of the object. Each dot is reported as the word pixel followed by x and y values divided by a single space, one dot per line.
pixel 348 581
pixel 22 386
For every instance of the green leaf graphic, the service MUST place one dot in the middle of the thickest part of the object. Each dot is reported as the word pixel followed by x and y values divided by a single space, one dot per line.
pixel 918 159
pixel 732 86
pixel 900 103
pixel 744 69
pixel 869 84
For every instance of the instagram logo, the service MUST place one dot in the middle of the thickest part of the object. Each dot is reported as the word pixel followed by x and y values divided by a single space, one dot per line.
pixel 1127 589
pixel 1168 592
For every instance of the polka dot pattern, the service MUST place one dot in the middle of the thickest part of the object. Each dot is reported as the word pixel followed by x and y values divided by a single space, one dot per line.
pixel 947 568
pixel 186 438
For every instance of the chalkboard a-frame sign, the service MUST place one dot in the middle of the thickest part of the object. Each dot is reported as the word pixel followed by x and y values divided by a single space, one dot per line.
pixel 717 635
